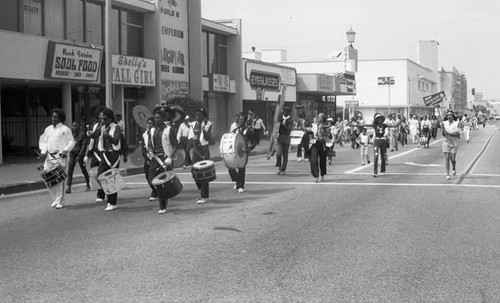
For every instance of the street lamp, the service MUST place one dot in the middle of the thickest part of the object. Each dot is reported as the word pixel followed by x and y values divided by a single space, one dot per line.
pixel 350 36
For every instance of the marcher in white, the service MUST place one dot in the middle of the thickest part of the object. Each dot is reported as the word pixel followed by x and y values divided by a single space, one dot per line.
pixel 364 141
pixel 184 143
pixel 55 144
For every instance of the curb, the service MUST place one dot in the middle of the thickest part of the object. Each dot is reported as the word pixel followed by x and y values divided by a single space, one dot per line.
pixel 33 185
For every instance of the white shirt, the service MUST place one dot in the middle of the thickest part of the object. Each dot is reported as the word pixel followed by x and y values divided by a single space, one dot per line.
pixel 183 131
pixel 259 124
pixel 56 139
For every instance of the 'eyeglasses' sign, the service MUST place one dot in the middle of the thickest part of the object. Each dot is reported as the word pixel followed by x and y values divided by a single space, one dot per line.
pixel 71 62
pixel 266 81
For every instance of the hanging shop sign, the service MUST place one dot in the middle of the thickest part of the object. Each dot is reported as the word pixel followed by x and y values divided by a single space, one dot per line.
pixel 220 83
pixel 71 62
pixel 134 71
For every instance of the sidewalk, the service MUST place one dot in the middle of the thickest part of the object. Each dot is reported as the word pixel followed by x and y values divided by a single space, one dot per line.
pixel 20 174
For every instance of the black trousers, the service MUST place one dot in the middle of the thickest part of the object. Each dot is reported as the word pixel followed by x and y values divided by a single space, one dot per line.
pixel 238 175
pixel 146 173
pixel 103 166
pixel 379 148
pixel 317 159
pixel 71 169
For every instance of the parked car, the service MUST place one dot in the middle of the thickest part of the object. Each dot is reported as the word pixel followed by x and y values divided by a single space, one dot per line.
pixel 497 117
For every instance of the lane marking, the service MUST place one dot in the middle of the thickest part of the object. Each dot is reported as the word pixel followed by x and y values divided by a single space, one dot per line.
pixel 423 165
pixel 392 157
pixel 341 184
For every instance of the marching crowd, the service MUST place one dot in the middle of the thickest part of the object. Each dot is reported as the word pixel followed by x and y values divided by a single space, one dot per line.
pixel 103 144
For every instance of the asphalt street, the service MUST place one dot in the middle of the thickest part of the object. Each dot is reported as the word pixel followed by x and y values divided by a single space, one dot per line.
pixel 408 236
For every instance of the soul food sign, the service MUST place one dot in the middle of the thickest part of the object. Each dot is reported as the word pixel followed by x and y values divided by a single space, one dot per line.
pixel 263 80
pixel 71 62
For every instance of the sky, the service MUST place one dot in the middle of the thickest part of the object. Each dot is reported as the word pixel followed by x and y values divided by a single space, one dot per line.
pixel 468 31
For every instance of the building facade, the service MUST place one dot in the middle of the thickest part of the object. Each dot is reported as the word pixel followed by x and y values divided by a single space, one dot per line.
pixel 53 54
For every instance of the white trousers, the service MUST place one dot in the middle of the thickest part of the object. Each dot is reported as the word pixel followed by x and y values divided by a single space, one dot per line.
pixel 57 191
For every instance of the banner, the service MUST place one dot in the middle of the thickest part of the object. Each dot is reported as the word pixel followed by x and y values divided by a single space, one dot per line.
pixel 434 99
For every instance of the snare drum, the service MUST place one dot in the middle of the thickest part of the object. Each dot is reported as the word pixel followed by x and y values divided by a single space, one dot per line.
pixel 111 181
pixel 232 150
pixel 167 185
pixel 204 171
pixel 54 177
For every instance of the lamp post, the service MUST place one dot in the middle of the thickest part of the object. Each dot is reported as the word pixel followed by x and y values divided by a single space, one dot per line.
pixel 351 35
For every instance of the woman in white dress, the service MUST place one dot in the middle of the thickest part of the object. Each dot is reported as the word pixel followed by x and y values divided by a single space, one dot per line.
pixel 414 129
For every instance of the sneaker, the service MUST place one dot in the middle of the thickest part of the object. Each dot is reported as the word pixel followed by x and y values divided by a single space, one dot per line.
pixel 306 159
pixel 283 172
pixel 322 178
pixel 99 200
pixel 54 204
pixel 89 188
pixel 234 187
pixel 374 175
pixel 68 191
pixel 152 198
pixel 299 159
pixel 201 201
pixel 454 172
pixel 110 207
pixel 382 173
pixel 240 190
pixel 59 205
pixel 316 179
pixel 183 166
pixel 362 163
pixel 368 161
pixel 162 211
pixel 447 177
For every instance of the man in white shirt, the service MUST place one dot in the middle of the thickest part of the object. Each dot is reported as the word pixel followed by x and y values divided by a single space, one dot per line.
pixel 182 138
pixel 259 128
pixel 55 144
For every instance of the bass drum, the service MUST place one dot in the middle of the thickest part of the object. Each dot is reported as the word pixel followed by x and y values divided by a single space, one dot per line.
pixel 204 171
pixel 111 181
pixel 167 185
pixel 232 150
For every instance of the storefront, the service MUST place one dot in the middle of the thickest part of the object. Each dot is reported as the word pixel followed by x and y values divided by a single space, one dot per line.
pixel 264 84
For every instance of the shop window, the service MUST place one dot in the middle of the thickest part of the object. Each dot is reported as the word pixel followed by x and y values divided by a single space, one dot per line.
pixel 204 54
pixel 114 35
pixel 222 59
pixel 9 15
pixel 212 54
pixel 54 18
pixel 74 20
pixel 94 24
pixel 131 33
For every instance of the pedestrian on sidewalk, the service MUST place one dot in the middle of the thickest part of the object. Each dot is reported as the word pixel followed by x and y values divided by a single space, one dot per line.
pixel 283 146
pixel 55 144
pixel 184 143
pixel 467 128
pixel 238 174
pixel 77 155
pixel 451 134
pixel 258 128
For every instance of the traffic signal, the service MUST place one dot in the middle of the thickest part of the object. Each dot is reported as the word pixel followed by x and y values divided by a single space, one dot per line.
pixel 473 91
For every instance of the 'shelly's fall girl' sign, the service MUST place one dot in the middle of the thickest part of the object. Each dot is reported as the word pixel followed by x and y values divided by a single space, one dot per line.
pixel 71 62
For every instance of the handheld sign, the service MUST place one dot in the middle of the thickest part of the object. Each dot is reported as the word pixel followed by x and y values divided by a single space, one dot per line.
pixel 273 141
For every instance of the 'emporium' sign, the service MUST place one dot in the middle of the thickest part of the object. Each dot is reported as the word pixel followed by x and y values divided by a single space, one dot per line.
pixel 134 71
pixel 71 62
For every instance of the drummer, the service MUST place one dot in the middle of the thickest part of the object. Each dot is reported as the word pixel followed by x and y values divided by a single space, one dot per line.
pixel 55 144
pixel 238 175
pixel 200 134
pixel 108 141
pixel 162 146
pixel 147 159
